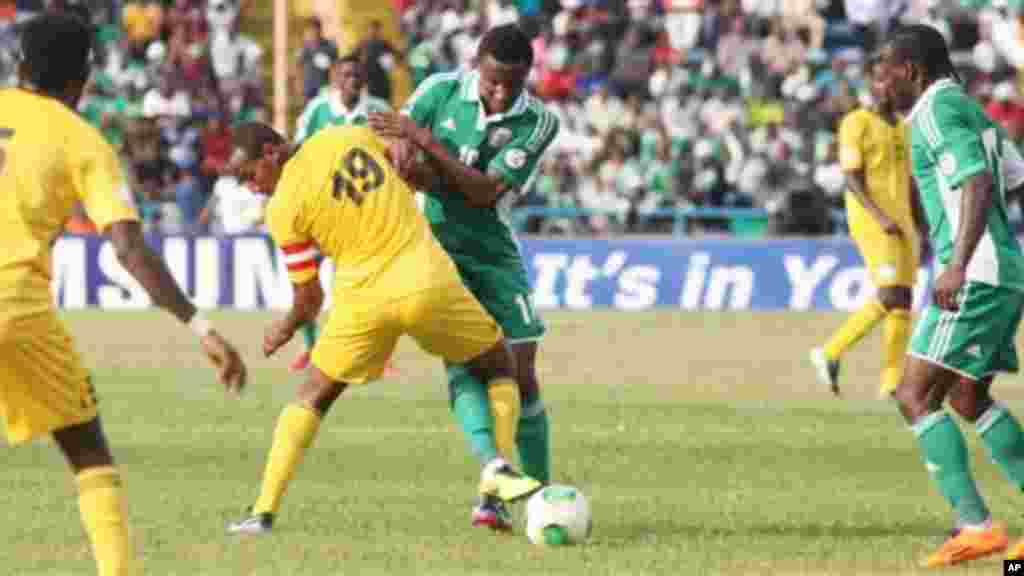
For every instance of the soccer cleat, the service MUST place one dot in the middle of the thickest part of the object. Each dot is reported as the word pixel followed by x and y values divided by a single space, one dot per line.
pixel 254 524
pixel 492 513
pixel 968 545
pixel 1017 552
pixel 505 483
pixel 300 363
pixel 828 370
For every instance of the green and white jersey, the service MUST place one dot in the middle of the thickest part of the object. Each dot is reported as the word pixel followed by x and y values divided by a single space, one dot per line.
pixel 327 109
pixel 509 145
pixel 952 139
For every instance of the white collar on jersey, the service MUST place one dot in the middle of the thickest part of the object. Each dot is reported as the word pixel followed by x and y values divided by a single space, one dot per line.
pixel 471 93
pixel 338 107
pixel 927 94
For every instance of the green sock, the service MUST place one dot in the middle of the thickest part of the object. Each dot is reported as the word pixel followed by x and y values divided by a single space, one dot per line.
pixel 945 455
pixel 1002 435
pixel 532 441
pixel 309 333
pixel 472 409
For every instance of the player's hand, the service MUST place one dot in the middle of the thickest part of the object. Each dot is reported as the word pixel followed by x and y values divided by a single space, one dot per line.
pixel 230 369
pixel 395 126
pixel 402 155
pixel 278 334
pixel 948 286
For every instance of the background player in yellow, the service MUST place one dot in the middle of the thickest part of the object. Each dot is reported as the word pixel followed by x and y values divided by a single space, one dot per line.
pixel 50 159
pixel 339 195
pixel 879 206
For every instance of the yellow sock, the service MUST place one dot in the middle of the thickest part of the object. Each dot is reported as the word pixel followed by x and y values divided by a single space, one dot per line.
pixel 103 513
pixel 855 327
pixel 895 336
pixel 295 430
pixel 504 396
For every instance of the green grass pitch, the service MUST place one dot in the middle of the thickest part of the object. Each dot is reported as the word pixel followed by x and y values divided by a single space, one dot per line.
pixel 702 441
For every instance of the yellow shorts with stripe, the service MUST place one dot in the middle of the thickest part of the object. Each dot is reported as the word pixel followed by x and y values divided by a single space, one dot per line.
pixel 43 385
pixel 359 338
pixel 890 260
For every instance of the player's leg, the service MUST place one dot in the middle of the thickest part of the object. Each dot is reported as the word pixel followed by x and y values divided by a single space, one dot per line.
pixel 943 351
pixel 353 349
pixel 100 500
pixel 296 428
pixel 533 436
pixel 471 406
pixel 452 324
pixel 897 301
pixel 826 359
pixel 45 390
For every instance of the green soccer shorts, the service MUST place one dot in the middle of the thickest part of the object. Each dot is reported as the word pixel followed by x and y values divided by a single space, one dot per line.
pixel 504 291
pixel 975 341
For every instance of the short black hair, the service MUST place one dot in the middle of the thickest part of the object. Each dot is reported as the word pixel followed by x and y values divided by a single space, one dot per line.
pixel 252 137
pixel 56 49
pixel 354 57
pixel 925 46
pixel 507 44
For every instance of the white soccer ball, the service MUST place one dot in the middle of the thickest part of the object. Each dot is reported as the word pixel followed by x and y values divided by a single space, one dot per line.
pixel 558 515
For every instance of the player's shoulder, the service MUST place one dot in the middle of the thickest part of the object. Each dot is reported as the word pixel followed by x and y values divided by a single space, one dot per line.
pixel 64 127
pixel 316 105
pixel 545 123
pixel 440 84
pixel 859 116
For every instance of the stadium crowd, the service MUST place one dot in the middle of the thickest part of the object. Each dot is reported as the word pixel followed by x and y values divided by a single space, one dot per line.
pixel 664 104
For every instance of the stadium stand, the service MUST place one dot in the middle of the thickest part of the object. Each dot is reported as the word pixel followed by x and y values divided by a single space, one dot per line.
pixel 678 116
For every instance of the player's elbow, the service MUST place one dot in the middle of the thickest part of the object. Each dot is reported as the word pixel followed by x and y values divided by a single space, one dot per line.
pixel 129 243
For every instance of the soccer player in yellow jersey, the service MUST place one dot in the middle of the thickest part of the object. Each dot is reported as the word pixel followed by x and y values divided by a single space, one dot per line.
pixel 338 195
pixel 879 205
pixel 50 159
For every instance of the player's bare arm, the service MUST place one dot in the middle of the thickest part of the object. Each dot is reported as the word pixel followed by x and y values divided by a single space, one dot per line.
pixel 856 182
pixel 975 202
pixel 480 189
pixel 150 271
pixel 306 303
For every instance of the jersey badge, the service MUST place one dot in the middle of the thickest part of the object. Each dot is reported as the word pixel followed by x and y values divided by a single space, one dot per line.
pixel 515 158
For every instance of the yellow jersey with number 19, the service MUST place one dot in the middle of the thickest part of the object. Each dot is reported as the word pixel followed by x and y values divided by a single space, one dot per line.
pixel 50 158
pixel 339 195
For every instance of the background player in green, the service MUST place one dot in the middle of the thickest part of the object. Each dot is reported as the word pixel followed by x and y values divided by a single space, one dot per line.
pixel 343 103
pixel 485 135
pixel 962 166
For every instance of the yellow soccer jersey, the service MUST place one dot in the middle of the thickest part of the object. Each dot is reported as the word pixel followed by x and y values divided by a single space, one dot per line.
pixel 868 142
pixel 50 159
pixel 340 196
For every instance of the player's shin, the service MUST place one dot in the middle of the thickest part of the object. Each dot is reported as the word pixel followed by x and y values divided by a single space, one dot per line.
pixel 472 408
pixel 945 455
pixel 1002 435
pixel 896 333
pixel 855 327
pixel 532 439
pixel 503 393
pixel 101 505
pixel 296 428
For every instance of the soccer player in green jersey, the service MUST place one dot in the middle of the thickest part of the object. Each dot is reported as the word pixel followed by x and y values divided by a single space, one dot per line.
pixel 485 135
pixel 343 103
pixel 963 166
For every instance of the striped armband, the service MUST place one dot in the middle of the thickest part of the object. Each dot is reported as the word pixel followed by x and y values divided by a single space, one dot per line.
pixel 300 260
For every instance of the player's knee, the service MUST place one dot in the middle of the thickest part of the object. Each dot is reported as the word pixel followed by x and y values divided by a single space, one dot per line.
pixel 914 401
pixel 969 399
pixel 895 298
pixel 84 445
pixel 319 391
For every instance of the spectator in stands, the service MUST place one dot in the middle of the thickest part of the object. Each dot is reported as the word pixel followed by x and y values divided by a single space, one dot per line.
pixel 379 59
pixel 315 59
pixel 143 22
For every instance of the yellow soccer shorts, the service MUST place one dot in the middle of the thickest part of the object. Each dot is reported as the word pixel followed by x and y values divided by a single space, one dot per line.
pixel 357 340
pixel 43 385
pixel 890 260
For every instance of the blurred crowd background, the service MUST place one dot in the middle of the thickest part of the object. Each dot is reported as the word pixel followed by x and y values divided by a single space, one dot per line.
pixel 678 116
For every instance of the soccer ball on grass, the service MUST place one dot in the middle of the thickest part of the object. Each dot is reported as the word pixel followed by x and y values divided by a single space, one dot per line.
pixel 558 515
